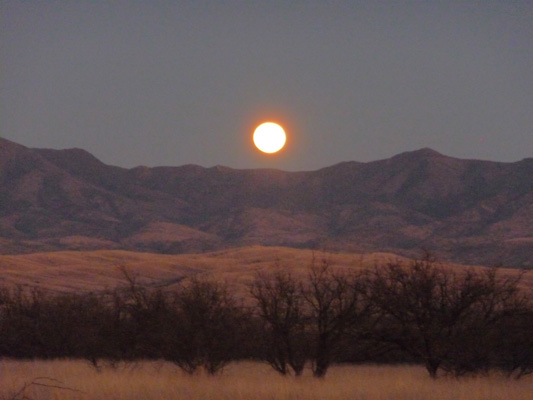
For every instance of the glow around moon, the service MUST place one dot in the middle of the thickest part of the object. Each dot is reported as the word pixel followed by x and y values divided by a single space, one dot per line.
pixel 269 137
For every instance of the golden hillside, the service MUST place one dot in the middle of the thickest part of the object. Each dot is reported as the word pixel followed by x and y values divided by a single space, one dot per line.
pixel 101 269
pixel 67 271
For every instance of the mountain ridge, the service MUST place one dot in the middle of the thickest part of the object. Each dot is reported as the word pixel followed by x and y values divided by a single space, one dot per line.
pixel 467 211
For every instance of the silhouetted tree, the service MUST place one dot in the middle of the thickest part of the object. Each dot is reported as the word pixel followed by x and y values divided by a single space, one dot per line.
pixel 336 308
pixel 438 315
pixel 141 316
pixel 19 328
pixel 496 334
pixel 279 304
pixel 207 325
pixel 513 343
pixel 44 325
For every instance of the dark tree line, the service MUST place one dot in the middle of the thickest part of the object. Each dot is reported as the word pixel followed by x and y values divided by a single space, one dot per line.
pixel 455 321
pixel 448 320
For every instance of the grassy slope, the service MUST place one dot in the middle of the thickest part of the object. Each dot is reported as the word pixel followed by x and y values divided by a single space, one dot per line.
pixel 97 270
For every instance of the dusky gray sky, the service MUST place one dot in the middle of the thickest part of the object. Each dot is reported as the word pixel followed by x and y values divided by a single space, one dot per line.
pixel 185 82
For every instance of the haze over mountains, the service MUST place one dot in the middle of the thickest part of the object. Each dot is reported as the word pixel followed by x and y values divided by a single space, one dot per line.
pixel 464 211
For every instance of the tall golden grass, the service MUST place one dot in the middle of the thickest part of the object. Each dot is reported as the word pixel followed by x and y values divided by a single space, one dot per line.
pixel 245 381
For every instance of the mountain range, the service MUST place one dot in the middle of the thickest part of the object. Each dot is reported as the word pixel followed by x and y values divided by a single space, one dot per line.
pixel 465 211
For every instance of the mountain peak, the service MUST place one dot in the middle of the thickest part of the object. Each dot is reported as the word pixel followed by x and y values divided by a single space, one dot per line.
pixel 425 152
pixel 463 210
pixel 68 156
pixel 7 147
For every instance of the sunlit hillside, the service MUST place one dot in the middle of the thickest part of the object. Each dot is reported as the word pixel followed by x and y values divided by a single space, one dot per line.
pixel 97 270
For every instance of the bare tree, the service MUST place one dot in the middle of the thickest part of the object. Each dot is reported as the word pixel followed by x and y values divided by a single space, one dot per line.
pixel 279 305
pixel 496 334
pixel 437 315
pixel 314 319
pixel 336 308
pixel 514 340
pixel 140 315
pixel 206 325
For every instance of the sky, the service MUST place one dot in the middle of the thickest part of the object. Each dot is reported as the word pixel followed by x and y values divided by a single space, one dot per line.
pixel 169 83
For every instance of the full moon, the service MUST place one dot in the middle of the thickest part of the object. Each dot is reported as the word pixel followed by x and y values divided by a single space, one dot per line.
pixel 269 137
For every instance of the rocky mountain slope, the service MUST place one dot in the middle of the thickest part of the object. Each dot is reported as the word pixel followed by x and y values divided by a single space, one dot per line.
pixel 466 211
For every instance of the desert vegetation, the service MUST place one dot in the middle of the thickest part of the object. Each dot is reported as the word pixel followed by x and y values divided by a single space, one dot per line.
pixel 453 322
pixel 149 380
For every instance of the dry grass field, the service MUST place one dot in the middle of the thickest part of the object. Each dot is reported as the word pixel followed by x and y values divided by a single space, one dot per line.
pixel 68 271
pixel 246 381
